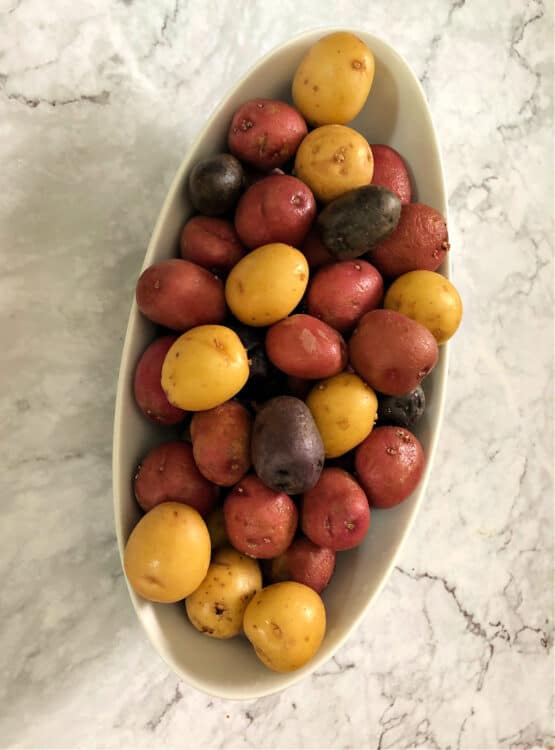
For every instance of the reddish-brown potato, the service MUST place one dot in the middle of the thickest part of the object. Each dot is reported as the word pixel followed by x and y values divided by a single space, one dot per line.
pixel 391 352
pixel 212 243
pixel 149 395
pixel 279 208
pixel 179 294
pixel 259 522
pixel 340 294
pixel 306 347
pixel 265 133
pixel 390 171
pixel 419 242
pixel 304 562
pixel 168 473
pixel 315 252
pixel 335 513
pixel 389 465
pixel 221 440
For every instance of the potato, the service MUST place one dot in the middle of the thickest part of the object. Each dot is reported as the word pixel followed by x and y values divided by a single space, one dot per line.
pixel 217 607
pixel 314 250
pixel 205 367
pixel 391 352
pixel 333 80
pixel 215 184
pixel 344 409
pixel 265 133
pixel 341 293
pixel 221 440
pixel 390 172
pixel 168 553
pixel 178 294
pixel 150 397
pixel 279 208
pixel 216 528
pixel 335 513
pixel 304 562
pixel 332 160
pixel 306 347
pixel 298 387
pixel 430 299
pixel 168 474
pixel 285 623
pixel 259 521
pixel 211 243
pixel 419 243
pixel 403 411
pixel 267 284
pixel 389 465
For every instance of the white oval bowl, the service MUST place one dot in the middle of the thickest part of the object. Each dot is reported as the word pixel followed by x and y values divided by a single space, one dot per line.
pixel 397 114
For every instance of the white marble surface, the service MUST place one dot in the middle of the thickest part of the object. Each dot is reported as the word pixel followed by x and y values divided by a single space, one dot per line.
pixel 98 102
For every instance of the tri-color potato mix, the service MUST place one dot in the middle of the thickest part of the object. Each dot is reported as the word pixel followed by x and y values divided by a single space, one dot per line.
pixel 305 309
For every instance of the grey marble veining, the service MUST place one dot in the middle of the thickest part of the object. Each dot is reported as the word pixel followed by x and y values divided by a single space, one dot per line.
pixel 98 102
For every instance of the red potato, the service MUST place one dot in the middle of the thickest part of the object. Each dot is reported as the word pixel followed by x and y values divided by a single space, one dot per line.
pixel 340 294
pixel 315 252
pixel 389 465
pixel 265 133
pixel 259 522
pixel 279 208
pixel 391 352
pixel 390 171
pixel 168 474
pixel 335 513
pixel 149 394
pixel 211 243
pixel 221 440
pixel 179 295
pixel 304 562
pixel 305 347
pixel 418 243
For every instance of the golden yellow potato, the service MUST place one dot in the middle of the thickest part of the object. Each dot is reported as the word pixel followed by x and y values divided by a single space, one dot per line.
pixel 206 366
pixel 344 409
pixel 332 160
pixel 286 623
pixel 267 284
pixel 430 299
pixel 168 553
pixel 216 528
pixel 333 80
pixel 217 607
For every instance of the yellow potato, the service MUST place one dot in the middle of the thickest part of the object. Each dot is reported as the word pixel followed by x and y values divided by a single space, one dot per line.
pixel 430 299
pixel 217 607
pixel 216 528
pixel 168 553
pixel 286 623
pixel 332 160
pixel 206 366
pixel 344 409
pixel 333 80
pixel 267 284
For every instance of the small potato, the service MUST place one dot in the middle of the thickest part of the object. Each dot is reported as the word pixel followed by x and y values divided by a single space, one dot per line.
pixel 149 395
pixel 333 80
pixel 205 367
pixel 305 347
pixel 390 172
pixel 216 528
pixel 259 522
pixel 332 160
pixel 267 284
pixel 168 553
pixel 211 243
pixel 168 474
pixel 344 409
pixel 430 299
pixel 217 607
pixel 335 513
pixel 402 411
pixel 221 440
pixel 286 623
pixel 304 562
pixel 315 251
pixel 215 184
pixel 179 295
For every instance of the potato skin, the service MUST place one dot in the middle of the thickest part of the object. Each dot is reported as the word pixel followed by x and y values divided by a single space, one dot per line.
pixel 216 528
pixel 259 521
pixel 315 252
pixel 305 347
pixel 265 133
pixel 391 352
pixel 389 465
pixel 215 184
pixel 149 395
pixel 179 295
pixel 304 562
pixel 168 474
pixel 390 171
pixel 211 243
pixel 221 440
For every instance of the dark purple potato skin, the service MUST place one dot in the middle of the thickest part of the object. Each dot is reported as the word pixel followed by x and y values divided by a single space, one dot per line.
pixel 215 184
pixel 402 411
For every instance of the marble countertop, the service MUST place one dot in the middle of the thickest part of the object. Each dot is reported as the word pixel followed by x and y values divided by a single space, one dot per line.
pixel 98 102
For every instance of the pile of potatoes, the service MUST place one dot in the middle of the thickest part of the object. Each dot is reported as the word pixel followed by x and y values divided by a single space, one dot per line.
pixel 297 325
